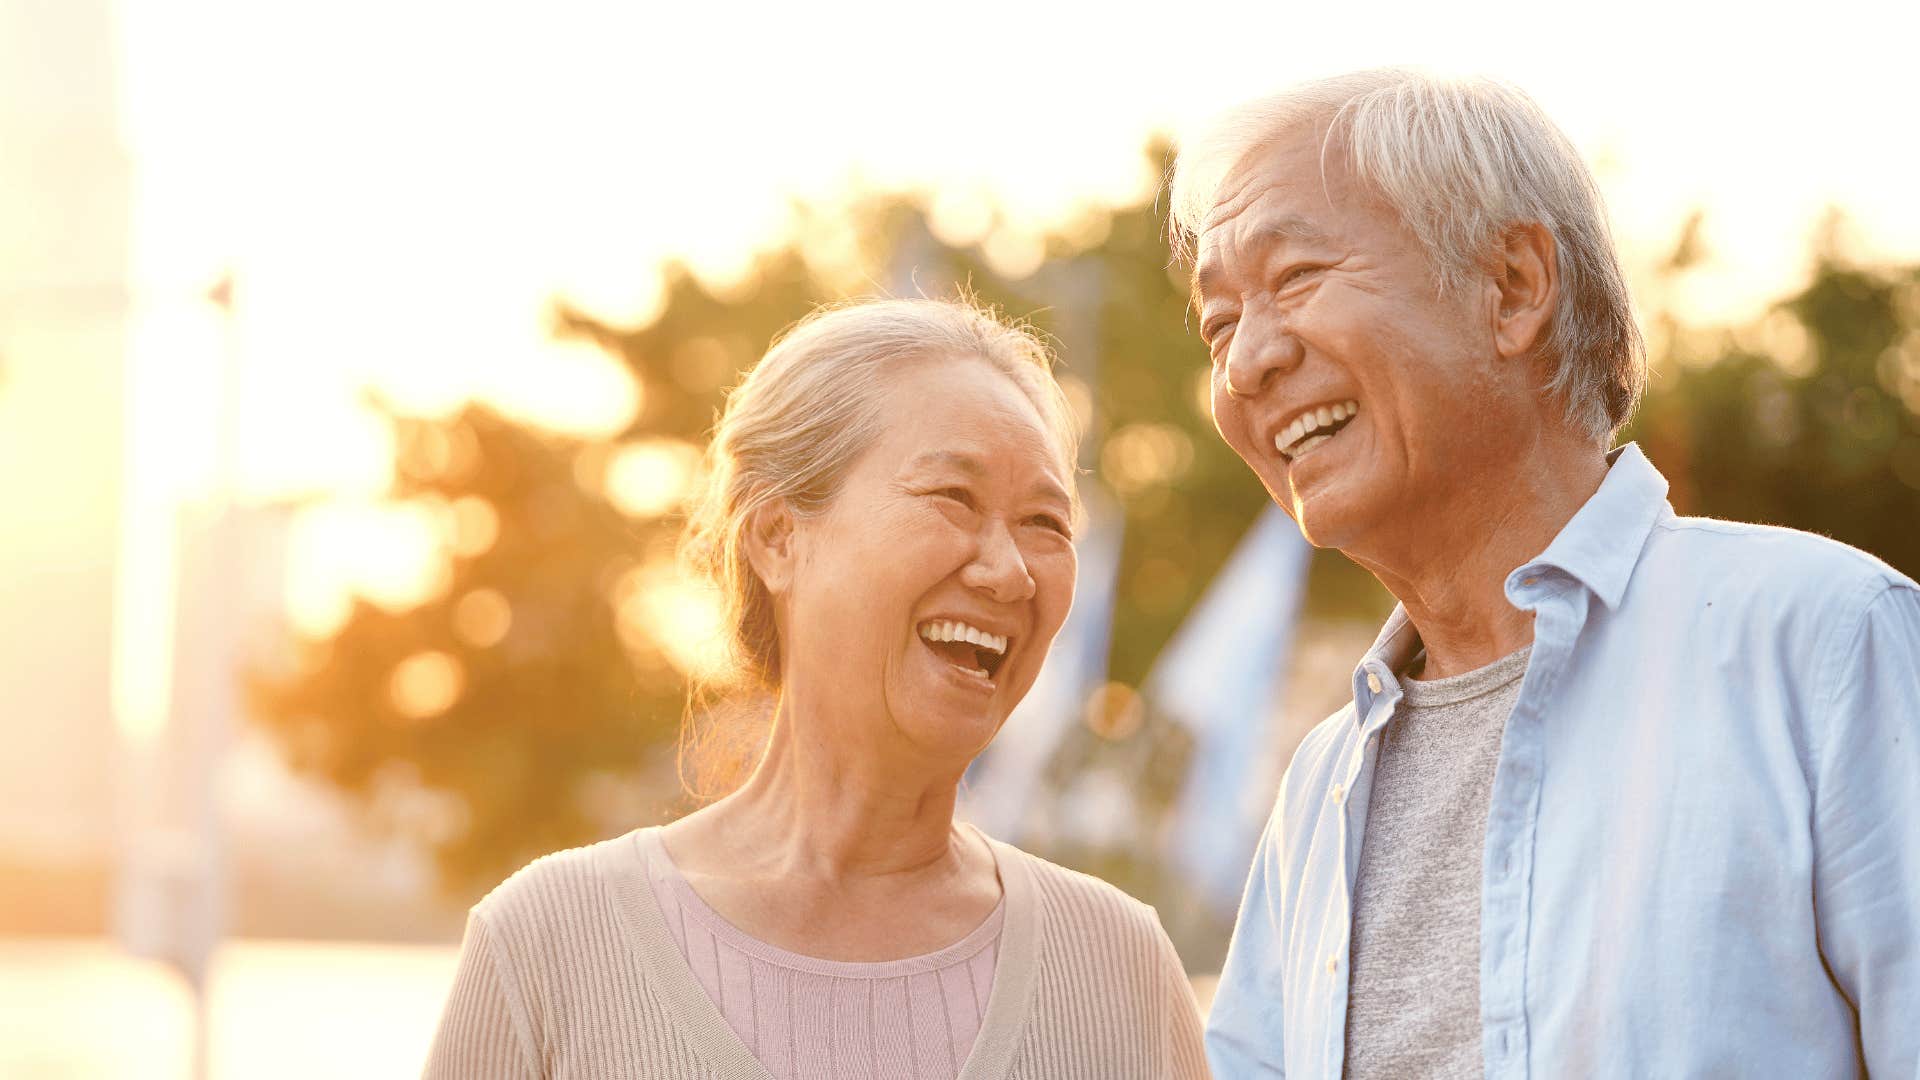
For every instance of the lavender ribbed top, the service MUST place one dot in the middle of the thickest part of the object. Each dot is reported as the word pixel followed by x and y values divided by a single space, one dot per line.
pixel 807 1018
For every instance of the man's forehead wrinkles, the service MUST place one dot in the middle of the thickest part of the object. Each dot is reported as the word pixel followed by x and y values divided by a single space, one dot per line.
pixel 1219 245
pixel 1291 228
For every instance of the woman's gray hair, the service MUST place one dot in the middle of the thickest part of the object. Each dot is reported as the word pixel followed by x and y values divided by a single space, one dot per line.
pixel 1461 161
pixel 790 432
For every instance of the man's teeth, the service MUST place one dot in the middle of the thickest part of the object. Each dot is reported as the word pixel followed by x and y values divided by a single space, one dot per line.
pixel 959 631
pixel 1305 432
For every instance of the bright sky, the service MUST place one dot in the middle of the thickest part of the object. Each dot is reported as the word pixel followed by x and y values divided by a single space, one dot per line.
pixel 402 187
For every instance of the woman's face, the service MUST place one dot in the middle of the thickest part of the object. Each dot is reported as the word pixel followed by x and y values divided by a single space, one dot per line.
pixel 922 602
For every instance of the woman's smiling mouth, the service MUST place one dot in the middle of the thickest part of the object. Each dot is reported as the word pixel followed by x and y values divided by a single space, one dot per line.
pixel 965 647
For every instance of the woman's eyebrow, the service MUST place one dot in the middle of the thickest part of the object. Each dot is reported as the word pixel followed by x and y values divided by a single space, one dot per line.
pixel 974 468
pixel 952 459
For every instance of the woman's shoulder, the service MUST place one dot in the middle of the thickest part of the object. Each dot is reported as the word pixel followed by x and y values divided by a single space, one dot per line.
pixel 1083 904
pixel 571 889
pixel 1098 961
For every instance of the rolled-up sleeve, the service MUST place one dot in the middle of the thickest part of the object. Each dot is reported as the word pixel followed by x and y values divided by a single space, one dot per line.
pixel 1867 826
pixel 483 1033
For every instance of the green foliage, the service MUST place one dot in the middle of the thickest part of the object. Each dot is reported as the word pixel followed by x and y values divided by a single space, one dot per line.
pixel 553 702
pixel 564 730
pixel 1810 418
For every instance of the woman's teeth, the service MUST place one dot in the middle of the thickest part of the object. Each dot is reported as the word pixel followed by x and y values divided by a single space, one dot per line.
pixel 1312 428
pixel 970 649
pixel 959 631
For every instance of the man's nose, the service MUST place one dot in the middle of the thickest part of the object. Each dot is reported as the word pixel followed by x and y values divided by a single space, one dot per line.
pixel 1258 356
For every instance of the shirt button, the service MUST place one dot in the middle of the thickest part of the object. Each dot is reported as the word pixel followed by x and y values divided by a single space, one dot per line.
pixel 1333 963
pixel 1373 682
pixel 1339 793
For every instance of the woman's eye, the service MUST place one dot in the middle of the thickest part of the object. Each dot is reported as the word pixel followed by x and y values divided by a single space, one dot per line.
pixel 1048 521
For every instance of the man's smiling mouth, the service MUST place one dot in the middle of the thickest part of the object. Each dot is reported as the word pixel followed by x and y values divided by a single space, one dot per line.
pixel 1313 427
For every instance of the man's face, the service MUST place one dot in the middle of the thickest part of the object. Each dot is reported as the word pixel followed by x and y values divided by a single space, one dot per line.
pixel 1355 391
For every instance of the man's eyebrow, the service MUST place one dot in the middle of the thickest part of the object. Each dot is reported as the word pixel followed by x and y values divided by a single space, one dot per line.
pixel 1291 229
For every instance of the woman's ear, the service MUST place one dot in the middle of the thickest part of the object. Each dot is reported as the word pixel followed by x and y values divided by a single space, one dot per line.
pixel 770 545
pixel 1527 274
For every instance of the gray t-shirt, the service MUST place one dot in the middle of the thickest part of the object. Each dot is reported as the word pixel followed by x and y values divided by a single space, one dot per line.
pixel 1413 998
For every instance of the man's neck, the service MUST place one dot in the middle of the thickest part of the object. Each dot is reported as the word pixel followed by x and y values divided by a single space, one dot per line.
pixel 1450 567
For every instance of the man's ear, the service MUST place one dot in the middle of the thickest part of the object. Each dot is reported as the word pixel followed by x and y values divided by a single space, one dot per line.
pixel 770 545
pixel 1527 278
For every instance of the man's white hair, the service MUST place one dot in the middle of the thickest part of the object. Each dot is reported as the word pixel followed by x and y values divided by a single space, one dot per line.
pixel 1461 161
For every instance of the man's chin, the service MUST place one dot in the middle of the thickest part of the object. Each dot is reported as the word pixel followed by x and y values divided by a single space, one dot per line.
pixel 1326 519
pixel 1326 515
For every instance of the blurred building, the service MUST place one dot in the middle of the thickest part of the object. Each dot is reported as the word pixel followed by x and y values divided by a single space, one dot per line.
pixel 64 209
pixel 89 819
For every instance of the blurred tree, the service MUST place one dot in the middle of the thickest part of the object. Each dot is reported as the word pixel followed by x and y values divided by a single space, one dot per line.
pixel 533 703
pixel 1808 417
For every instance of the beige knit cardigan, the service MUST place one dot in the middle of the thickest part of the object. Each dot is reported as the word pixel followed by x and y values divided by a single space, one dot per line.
pixel 568 970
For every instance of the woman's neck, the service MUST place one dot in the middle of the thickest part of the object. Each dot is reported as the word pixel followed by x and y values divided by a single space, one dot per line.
pixel 837 854
pixel 837 812
pixel 820 811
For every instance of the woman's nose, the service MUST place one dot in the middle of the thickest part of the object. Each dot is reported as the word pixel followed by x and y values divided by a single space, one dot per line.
pixel 998 568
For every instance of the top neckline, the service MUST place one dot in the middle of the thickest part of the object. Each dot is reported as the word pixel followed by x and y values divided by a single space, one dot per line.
pixel 1426 693
pixel 660 862
pixel 622 868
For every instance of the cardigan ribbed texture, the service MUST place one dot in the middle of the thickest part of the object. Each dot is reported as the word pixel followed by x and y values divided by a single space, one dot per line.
pixel 569 970
pixel 810 1019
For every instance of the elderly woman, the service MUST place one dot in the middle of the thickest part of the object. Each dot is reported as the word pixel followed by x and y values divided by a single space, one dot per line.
pixel 889 517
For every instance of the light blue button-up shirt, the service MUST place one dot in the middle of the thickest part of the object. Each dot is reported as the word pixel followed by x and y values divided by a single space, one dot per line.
pixel 1703 846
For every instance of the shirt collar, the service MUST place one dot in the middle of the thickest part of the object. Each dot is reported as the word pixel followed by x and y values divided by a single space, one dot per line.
pixel 1391 652
pixel 1601 545
pixel 1598 547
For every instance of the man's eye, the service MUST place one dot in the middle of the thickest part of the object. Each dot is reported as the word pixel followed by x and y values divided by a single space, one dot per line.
pixel 1293 275
pixel 1211 332
pixel 959 495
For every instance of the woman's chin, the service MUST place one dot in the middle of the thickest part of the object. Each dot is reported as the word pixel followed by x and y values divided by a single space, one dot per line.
pixel 946 729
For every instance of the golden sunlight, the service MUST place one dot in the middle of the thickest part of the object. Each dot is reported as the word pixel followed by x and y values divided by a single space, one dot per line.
pixel 392 554
pixel 426 684
pixel 649 477
pixel 482 618
pixel 658 608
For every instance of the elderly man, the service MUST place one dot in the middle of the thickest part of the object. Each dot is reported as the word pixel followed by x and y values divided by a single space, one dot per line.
pixel 1620 793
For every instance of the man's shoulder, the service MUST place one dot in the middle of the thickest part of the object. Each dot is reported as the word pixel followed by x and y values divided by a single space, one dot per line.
pixel 1323 743
pixel 1316 762
pixel 1790 566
